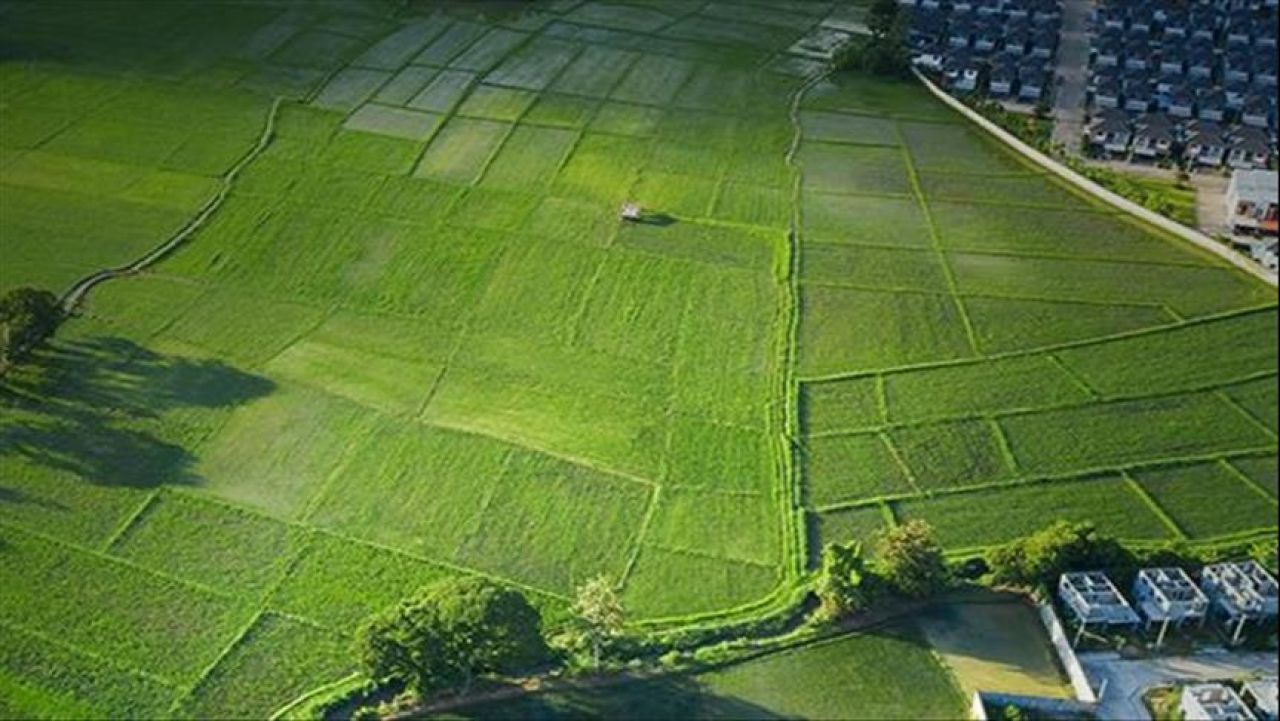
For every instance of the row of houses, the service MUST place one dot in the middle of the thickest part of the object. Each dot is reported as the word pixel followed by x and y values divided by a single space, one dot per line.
pixel 1236 593
pixel 1197 143
pixel 1257 701
pixel 1006 46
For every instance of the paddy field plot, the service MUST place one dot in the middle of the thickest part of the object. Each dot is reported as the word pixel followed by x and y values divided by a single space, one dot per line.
pixel 415 341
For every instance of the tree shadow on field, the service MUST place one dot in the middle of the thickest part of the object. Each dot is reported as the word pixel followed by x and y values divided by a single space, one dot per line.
pixel 107 410
pixel 669 697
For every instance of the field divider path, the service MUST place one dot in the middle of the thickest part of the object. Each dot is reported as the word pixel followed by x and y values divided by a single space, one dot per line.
pixel 935 240
pixel 1244 412
pixel 1085 185
pixel 131 520
pixel 1248 481
pixel 1154 506
pixel 105 661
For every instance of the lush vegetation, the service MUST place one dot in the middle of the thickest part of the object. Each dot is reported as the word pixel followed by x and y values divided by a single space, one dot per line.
pixel 414 343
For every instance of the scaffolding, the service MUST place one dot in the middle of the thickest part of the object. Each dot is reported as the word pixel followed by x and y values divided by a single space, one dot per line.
pixel 1241 592
pixel 1168 595
pixel 1094 599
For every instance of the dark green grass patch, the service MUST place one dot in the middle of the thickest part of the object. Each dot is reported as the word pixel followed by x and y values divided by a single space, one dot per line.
pixel 379 154
pixel 717 457
pixel 602 167
pixel 839 469
pixel 1261 470
pixel 951 455
pixel 339 583
pixel 843 330
pixel 1127 432
pixel 626 119
pixel 1012 324
pixel 570 522
pixel 404 85
pixel 61 682
pixel 652 80
pixel 1191 291
pixel 860 524
pixel 489 50
pixel 1075 232
pixel 840 405
pixel 275 662
pixel 228 323
pixel 536 65
pixel 736 527
pixel 958 148
pixel 1259 399
pixel 570 220
pixel 1208 499
pixel 143 621
pixel 393 122
pixel 853 169
pixel 1180 358
pixel 1017 383
pixel 1012 190
pixel 595 72
pixel 635 308
pixel 985 518
pixel 413 487
pixel 387 384
pixel 863 93
pixel 844 128
pixel 209 543
pixel 350 88
pixel 562 111
pixel 878 268
pixel 444 91
pixel 668 583
pixel 496 103
pixel 836 218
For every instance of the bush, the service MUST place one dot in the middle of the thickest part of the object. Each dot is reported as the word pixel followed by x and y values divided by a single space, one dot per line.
pixel 845 583
pixel 1040 558
pixel 27 317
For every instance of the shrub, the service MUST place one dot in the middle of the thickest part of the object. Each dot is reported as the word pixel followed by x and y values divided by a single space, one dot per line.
pixel 910 560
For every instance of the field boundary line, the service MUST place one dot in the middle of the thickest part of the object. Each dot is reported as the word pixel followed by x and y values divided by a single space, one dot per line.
pixel 985 295
pixel 634 556
pixel 901 462
pixel 187 692
pixel 1099 340
pixel 1100 474
pixel 1154 506
pixel 1248 415
pixel 1011 253
pixel 1249 481
pixel 707 555
pixel 1085 185
pixel 1006 449
pixel 1075 377
pixel 107 661
pixel 882 398
pixel 1019 411
pixel 108 558
pixel 131 519
pixel 887 514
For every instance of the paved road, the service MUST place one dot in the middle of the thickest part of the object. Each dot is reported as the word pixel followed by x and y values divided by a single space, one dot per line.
pixel 1127 680
pixel 1073 68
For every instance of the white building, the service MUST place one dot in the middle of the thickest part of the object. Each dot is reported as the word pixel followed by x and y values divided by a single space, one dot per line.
pixel 1261 695
pixel 1213 702
pixel 1251 201
pixel 1168 595
pixel 1241 592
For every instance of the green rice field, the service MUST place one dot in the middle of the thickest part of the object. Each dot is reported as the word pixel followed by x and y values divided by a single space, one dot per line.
pixel 413 340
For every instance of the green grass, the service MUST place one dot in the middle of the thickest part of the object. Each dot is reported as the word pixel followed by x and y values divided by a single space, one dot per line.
pixel 853 169
pixel 840 405
pixel 963 453
pixel 1003 325
pixel 709 522
pixel 210 544
pixel 1128 432
pixel 990 517
pixel 850 468
pixel 1022 382
pixel 1207 499
pixel 854 524
pixel 1258 398
pixel 844 330
pixel 668 583
pixel 276 661
pixel 873 268
pixel 1262 471
pixel 835 218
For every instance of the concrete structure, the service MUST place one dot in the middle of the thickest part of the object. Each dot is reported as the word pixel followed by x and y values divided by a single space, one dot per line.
pixel 1094 600
pixel 1240 592
pixel 1213 702
pixel 1168 595
pixel 1251 202
pixel 1260 696
pixel 1124 681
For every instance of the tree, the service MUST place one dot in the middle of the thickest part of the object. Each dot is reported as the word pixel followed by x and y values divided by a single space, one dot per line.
pixel 910 560
pixel 1044 555
pixel 599 614
pixel 845 584
pixel 447 634
pixel 27 316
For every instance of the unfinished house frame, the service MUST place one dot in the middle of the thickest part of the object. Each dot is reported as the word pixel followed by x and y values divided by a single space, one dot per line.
pixel 1213 702
pixel 1240 592
pixel 1094 599
pixel 1168 595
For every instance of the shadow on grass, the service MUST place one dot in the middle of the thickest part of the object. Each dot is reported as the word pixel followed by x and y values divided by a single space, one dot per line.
pixel 665 698
pixel 95 407
pixel 660 220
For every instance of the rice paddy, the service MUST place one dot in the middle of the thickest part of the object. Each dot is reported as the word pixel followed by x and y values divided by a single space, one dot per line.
pixel 415 341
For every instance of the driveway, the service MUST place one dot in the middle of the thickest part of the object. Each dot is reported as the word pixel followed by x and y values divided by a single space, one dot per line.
pixel 1073 69
pixel 1127 680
